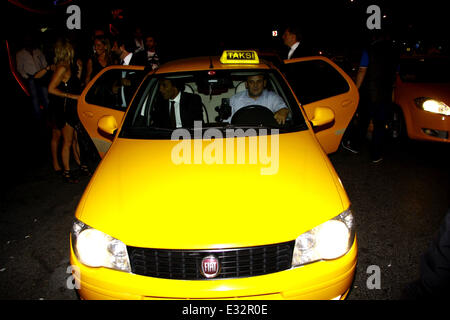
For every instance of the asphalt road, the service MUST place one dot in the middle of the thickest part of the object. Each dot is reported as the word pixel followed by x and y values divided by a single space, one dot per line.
pixel 398 203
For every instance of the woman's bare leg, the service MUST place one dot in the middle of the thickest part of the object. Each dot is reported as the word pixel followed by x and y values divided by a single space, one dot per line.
pixel 67 133
pixel 54 144
pixel 76 148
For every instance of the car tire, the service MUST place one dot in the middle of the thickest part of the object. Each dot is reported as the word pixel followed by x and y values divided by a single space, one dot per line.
pixel 396 125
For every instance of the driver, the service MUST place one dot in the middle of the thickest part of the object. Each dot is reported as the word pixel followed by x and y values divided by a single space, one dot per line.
pixel 256 94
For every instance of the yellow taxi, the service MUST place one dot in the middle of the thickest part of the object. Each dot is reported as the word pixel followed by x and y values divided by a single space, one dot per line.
pixel 422 99
pixel 215 182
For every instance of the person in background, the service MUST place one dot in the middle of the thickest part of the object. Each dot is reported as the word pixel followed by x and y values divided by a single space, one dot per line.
pixel 150 48
pixel 292 38
pixel 139 42
pixel 97 32
pixel 32 65
pixel 101 59
pixel 124 49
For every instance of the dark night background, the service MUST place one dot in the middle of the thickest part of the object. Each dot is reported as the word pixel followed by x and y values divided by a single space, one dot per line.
pixel 336 28
pixel 205 27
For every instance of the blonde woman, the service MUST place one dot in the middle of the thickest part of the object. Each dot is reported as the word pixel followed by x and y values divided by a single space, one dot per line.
pixel 64 90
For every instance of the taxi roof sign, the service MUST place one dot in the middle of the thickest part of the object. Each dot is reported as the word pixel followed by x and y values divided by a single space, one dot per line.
pixel 239 57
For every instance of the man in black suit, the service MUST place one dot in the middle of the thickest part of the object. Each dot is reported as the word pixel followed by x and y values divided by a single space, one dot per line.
pixel 293 39
pixel 176 108
pixel 124 49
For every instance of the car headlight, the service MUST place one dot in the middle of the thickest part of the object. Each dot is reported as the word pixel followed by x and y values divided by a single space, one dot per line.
pixel 432 105
pixel 97 249
pixel 330 240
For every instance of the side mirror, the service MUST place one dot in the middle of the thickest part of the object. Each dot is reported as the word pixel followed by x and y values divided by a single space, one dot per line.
pixel 108 124
pixel 322 116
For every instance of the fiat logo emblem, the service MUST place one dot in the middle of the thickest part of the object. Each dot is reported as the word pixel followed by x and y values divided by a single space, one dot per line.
pixel 210 267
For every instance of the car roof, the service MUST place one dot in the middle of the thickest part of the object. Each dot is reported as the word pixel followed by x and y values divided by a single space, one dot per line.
pixel 208 63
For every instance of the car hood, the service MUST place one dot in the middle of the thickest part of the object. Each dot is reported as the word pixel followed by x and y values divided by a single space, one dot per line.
pixel 140 195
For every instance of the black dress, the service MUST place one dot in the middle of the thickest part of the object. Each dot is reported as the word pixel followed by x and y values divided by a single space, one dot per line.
pixel 96 67
pixel 64 110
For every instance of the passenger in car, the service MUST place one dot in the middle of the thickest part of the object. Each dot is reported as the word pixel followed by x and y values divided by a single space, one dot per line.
pixel 257 94
pixel 176 108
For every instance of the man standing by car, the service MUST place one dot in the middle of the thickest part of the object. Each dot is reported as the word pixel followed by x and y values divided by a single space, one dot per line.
pixel 293 39
pixel 124 49
pixel 374 80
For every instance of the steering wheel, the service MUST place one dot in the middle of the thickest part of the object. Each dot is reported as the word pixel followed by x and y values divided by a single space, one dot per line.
pixel 254 115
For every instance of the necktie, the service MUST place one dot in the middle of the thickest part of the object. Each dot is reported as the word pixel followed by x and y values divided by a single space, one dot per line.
pixel 172 114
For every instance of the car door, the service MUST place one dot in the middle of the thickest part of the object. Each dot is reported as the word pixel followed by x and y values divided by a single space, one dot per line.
pixel 108 94
pixel 319 82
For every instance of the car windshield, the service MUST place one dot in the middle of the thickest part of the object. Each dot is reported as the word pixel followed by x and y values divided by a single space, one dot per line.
pixel 212 99
pixel 430 70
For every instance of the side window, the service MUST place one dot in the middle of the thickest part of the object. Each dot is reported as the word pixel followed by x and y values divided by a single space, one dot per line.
pixel 114 89
pixel 315 80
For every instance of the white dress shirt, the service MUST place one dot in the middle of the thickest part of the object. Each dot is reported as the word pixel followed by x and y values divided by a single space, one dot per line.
pixel 268 99
pixel 126 62
pixel 139 45
pixel 177 110
pixel 30 63
pixel 127 59
pixel 294 46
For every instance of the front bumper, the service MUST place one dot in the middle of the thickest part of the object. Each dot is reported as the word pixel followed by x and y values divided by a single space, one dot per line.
pixel 322 280
pixel 425 125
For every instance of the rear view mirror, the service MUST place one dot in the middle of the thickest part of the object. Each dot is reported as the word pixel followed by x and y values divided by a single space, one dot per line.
pixel 322 116
pixel 108 124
